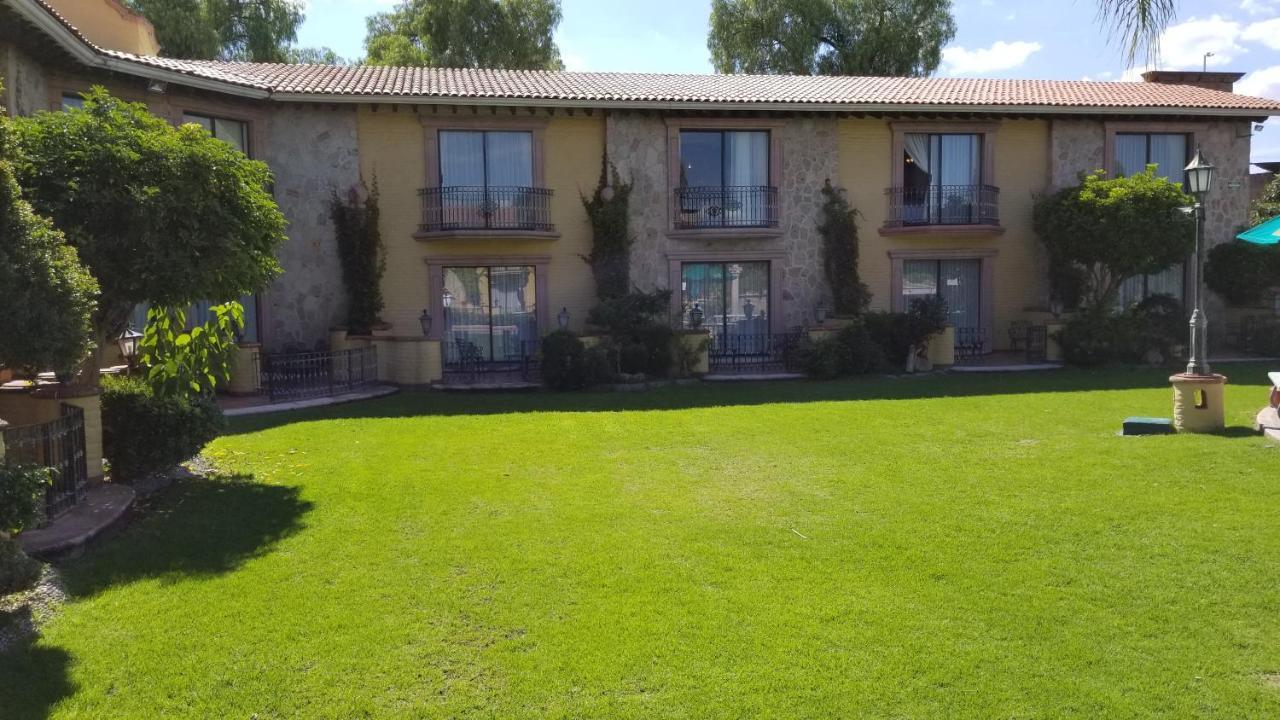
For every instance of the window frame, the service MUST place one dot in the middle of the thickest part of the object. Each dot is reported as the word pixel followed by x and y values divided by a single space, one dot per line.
pixel 675 125
pixel 484 153
pixel 246 125
pixel 1113 171
pixel 435 285
pixel 723 132
pixel 777 286
pixel 724 283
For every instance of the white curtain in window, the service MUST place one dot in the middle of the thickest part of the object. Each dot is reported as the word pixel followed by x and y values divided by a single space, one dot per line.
pixel 1131 154
pixel 1169 154
pixel 461 158
pixel 917 146
pixel 961 285
pixel 746 158
pixel 515 324
pixel 961 160
pixel 509 159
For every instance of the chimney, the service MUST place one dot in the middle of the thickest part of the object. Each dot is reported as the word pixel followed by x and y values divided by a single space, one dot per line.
pixel 1223 81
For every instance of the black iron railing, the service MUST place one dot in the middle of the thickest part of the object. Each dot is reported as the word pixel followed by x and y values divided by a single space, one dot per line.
pixel 971 343
pixel 720 207
pixel 943 205
pixel 58 445
pixel 460 207
pixel 293 376
pixel 763 353
pixel 468 359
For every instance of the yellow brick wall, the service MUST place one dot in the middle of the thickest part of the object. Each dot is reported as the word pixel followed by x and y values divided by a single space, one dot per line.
pixel 392 149
pixel 1021 159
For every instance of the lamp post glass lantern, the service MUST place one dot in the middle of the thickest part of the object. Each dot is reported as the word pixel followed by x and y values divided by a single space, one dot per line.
pixel 563 318
pixel 128 344
pixel 1199 181
pixel 425 320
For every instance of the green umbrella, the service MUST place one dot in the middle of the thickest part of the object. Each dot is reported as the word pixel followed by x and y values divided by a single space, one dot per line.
pixel 1268 233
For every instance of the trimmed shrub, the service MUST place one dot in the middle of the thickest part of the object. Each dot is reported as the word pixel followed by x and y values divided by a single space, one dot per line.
pixel 143 434
pixel 898 334
pixel 22 493
pixel 567 364
pixel 1089 339
pixel 1241 272
pixel 852 351
pixel 1157 324
pixel 637 325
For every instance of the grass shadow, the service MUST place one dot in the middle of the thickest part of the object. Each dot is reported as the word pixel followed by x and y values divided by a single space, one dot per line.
pixel 413 403
pixel 33 679
pixel 198 527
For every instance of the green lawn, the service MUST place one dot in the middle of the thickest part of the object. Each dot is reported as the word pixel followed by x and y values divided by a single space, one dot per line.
pixel 958 546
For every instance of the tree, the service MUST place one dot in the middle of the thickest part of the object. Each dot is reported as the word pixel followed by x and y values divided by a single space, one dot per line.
pixel 829 37
pixel 1115 229
pixel 160 215
pixel 1267 205
pixel 507 34
pixel 251 30
pixel 839 230
pixel 48 296
pixel 1137 25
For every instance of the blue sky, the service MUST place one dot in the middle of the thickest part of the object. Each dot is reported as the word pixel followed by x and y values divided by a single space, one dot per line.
pixel 1054 39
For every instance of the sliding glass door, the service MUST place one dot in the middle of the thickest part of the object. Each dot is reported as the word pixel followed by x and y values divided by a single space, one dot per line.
pixel 957 282
pixel 490 314
pixel 731 299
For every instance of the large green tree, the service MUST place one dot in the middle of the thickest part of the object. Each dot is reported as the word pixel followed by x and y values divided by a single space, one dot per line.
pixel 509 34
pixel 829 37
pixel 47 295
pixel 159 214
pixel 252 30
pixel 1114 229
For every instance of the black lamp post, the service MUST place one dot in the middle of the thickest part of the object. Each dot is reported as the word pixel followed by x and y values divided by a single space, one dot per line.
pixel 1199 182
pixel 425 320
pixel 128 344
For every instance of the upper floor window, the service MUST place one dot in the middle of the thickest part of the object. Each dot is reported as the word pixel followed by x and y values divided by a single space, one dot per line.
pixel 72 100
pixel 1167 151
pixel 233 132
pixel 724 180
pixel 942 181
pixel 486 158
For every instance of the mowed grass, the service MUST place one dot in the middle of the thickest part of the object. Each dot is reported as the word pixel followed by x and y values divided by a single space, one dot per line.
pixel 954 546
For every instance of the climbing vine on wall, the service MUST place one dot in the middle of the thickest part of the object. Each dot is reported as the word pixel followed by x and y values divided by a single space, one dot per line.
pixel 839 230
pixel 360 250
pixel 608 209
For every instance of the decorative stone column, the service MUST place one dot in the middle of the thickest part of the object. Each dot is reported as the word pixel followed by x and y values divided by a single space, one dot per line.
pixel 1198 403
pixel 245 378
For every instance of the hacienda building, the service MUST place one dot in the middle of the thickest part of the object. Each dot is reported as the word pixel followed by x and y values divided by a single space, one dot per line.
pixel 482 173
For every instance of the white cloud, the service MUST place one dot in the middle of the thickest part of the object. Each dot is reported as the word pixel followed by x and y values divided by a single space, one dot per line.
pixel 1258 7
pixel 1266 32
pixel 1264 82
pixel 573 61
pixel 1000 56
pixel 1184 45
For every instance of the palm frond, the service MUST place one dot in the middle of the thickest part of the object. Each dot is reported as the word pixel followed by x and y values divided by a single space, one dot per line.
pixel 1137 25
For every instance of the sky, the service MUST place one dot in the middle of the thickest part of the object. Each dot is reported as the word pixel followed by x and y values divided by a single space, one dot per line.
pixel 1048 39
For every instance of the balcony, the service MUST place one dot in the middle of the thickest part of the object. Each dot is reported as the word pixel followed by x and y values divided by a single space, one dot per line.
pixel 507 211
pixel 725 208
pixel 964 209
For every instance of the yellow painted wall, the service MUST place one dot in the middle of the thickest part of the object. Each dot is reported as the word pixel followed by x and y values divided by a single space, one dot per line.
pixel 109 24
pixel 392 149
pixel 1021 158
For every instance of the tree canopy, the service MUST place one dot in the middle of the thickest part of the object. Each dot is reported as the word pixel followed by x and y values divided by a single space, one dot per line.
pixel 507 34
pixel 1137 25
pixel 829 37
pixel 47 294
pixel 160 214
pixel 251 30
pixel 1114 229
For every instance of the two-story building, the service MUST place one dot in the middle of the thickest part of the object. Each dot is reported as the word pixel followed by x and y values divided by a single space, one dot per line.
pixel 482 174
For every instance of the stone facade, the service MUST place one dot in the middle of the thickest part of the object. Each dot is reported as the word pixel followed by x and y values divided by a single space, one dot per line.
pixel 312 152
pixel 25 89
pixel 637 145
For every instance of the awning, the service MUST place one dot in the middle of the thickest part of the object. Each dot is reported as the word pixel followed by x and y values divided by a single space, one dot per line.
pixel 1268 233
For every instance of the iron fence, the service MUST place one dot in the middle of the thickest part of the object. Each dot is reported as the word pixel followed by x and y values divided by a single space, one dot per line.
pixel 491 360
pixel 971 343
pixel 759 353
pixel 293 376
pixel 486 208
pixel 733 207
pixel 943 205
pixel 59 445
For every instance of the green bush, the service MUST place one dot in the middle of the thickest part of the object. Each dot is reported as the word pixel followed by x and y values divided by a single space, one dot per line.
pixel 1089 339
pixel 17 570
pixel 1264 339
pixel 1241 272
pixel 1157 324
pixel 852 351
pixel 636 323
pixel 22 493
pixel 567 364
pixel 144 434
pixel 898 333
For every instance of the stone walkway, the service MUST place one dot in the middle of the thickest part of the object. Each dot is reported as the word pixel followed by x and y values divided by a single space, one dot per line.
pixel 257 405
pixel 106 504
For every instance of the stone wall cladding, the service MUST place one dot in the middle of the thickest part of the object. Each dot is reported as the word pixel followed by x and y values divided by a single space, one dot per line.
pixel 25 88
pixel 637 145
pixel 311 151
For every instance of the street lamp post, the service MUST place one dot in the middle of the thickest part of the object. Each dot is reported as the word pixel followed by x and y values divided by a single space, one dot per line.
pixel 1199 182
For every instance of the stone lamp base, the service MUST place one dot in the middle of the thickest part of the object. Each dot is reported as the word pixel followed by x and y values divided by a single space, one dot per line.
pixel 1197 403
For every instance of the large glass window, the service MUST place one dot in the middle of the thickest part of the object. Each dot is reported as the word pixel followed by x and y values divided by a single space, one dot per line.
pixel 490 313
pixel 472 158
pixel 957 282
pixel 941 178
pixel 724 179
pixel 732 299
pixel 72 100
pixel 233 132
pixel 1168 152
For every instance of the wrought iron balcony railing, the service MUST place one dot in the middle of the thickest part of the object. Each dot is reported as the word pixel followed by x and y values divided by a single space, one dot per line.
pixel 460 207
pixel 725 207
pixel 943 205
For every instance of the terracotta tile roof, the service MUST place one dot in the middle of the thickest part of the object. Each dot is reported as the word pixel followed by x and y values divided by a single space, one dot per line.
pixel 587 88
